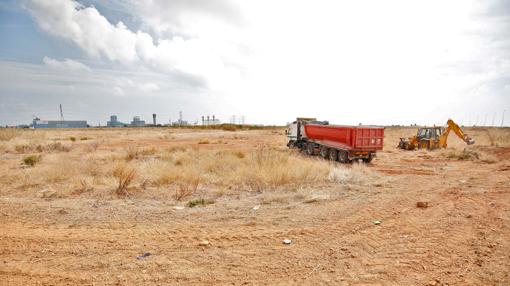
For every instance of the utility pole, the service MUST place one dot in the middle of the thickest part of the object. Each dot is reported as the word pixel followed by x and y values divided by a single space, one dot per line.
pixel 494 120
pixel 503 118
pixel 61 113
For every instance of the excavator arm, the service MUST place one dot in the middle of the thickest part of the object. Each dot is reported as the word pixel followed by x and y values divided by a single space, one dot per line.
pixel 456 129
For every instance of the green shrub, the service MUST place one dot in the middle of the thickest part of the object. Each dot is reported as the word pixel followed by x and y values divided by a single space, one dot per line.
pixel 31 160
pixel 199 202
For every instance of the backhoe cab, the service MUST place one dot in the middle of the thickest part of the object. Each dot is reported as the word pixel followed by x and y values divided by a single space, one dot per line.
pixel 431 138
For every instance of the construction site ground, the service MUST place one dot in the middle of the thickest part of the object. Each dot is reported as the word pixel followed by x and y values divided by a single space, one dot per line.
pixel 434 221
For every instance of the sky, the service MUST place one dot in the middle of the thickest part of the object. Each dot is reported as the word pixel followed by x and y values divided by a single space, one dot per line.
pixel 270 61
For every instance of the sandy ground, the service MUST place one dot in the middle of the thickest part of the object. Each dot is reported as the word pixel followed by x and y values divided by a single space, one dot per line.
pixel 461 238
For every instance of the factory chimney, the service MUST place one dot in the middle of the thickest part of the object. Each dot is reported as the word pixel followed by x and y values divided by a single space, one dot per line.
pixel 154 118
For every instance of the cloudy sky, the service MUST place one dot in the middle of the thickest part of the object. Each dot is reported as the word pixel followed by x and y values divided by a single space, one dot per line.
pixel 374 62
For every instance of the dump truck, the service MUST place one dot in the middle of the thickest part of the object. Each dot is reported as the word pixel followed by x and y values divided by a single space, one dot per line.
pixel 432 138
pixel 341 143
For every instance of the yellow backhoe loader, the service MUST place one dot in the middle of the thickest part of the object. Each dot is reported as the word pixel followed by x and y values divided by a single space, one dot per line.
pixel 431 138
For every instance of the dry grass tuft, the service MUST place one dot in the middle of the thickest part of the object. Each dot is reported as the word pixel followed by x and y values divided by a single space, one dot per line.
pixel 131 153
pixel 465 154
pixel 125 176
pixel 204 141
pixel 82 187
pixel 240 154
pixel 187 188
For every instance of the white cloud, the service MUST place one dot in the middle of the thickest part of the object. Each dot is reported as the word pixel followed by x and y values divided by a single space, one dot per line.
pixel 67 64
pixel 118 91
pixel 148 87
pixel 124 86
pixel 85 27
pixel 92 32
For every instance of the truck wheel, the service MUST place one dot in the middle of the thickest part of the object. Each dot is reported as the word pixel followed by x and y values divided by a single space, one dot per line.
pixel 333 155
pixel 324 152
pixel 310 149
pixel 369 159
pixel 343 156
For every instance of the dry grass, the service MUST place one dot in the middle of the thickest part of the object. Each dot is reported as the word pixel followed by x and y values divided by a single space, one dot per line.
pixel 6 134
pixel 131 153
pixel 498 137
pixel 187 188
pixel 181 169
pixel 465 154
pixel 471 154
pixel 125 176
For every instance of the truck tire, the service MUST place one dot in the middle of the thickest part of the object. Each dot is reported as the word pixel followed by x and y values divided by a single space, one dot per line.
pixel 324 151
pixel 333 155
pixel 310 149
pixel 343 156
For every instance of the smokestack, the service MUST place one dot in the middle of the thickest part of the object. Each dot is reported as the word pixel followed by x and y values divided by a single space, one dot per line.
pixel 203 120
pixel 213 121
pixel 154 118
pixel 207 119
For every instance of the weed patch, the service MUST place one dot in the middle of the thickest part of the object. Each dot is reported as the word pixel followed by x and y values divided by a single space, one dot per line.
pixel 199 202
pixel 31 160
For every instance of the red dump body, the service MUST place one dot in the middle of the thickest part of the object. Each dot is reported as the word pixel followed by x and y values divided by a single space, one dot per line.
pixel 352 138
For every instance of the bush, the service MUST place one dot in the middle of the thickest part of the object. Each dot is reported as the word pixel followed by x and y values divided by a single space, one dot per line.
pixel 199 202
pixel 31 160
pixel 84 138
pixel 73 139
pixel 125 177
pixel 203 141
pixel 187 188
pixel 463 155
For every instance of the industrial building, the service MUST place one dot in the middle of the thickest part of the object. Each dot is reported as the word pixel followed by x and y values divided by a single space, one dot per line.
pixel 137 122
pixel 38 123
pixel 208 121
pixel 114 122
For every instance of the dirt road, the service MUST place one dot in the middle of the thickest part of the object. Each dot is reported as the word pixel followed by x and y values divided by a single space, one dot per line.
pixel 461 238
